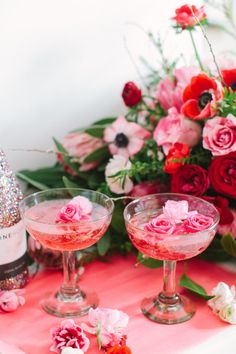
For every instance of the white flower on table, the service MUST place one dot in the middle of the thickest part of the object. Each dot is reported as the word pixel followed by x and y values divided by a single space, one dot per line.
pixel 70 350
pixel 228 313
pixel 223 296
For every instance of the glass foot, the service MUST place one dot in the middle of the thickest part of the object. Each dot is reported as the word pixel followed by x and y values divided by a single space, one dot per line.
pixel 76 306
pixel 168 310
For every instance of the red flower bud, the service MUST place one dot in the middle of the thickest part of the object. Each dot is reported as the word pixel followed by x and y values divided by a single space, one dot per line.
pixel 131 94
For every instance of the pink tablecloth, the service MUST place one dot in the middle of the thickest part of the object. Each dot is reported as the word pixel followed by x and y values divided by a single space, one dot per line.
pixel 119 285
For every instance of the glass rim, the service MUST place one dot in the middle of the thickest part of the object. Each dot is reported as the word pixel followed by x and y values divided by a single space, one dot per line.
pixel 150 196
pixel 83 222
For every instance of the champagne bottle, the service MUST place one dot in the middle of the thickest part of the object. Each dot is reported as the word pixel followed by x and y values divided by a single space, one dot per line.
pixel 13 262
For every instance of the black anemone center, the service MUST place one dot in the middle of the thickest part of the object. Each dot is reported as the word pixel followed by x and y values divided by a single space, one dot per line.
pixel 121 140
pixel 233 85
pixel 204 99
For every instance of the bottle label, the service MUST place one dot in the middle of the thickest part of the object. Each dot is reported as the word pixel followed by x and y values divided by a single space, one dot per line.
pixel 12 244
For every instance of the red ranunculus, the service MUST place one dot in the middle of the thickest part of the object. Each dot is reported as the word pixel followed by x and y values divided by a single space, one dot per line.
pixel 184 16
pixel 148 187
pixel 131 94
pixel 229 77
pixel 190 179
pixel 222 205
pixel 176 157
pixel 118 349
pixel 222 173
pixel 200 97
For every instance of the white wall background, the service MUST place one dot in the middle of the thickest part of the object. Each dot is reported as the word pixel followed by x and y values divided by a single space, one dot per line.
pixel 63 64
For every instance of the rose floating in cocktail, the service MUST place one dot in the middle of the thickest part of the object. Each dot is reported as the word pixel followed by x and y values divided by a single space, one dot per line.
pixel 170 227
pixel 67 219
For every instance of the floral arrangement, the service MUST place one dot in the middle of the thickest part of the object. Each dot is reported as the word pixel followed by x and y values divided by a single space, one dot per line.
pixel 178 135
pixel 107 324
pixel 10 300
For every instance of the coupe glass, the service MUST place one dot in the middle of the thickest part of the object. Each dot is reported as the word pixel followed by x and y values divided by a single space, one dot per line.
pixel 168 307
pixel 39 212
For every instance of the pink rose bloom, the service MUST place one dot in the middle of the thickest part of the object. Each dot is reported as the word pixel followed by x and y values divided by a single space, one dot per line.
pixel 175 128
pixel 169 92
pixel 107 324
pixel 77 209
pixel 228 228
pixel 196 223
pixel 219 135
pixel 161 225
pixel 125 138
pixel 10 300
pixel 68 334
pixel 79 146
pixel 116 185
pixel 177 210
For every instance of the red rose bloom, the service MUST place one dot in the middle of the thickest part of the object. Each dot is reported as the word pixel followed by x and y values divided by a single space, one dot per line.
pixel 131 94
pixel 200 97
pixel 222 173
pixel 148 187
pixel 118 349
pixel 176 157
pixel 222 205
pixel 229 77
pixel 190 179
pixel 184 16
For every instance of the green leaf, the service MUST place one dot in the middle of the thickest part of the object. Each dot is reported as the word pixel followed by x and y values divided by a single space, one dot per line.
pixel 96 131
pixel 229 244
pixel 104 243
pixel 68 183
pixel 149 262
pixel 117 221
pixel 103 121
pixel 189 284
pixel 31 181
pixel 99 154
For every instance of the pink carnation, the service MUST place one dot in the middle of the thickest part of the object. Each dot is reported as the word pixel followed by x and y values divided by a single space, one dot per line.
pixel 107 324
pixel 175 128
pixel 169 92
pixel 11 300
pixel 68 334
pixel 79 146
pixel 196 223
pixel 228 228
pixel 125 138
pixel 161 225
pixel 77 209
pixel 219 135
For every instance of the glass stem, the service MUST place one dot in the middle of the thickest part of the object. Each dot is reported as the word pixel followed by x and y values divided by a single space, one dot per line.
pixel 69 288
pixel 168 294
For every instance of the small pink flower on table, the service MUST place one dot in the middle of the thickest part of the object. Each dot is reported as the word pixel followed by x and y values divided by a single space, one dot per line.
pixel 219 135
pixel 125 138
pixel 79 208
pixel 117 185
pixel 69 334
pixel 10 300
pixel 108 324
pixel 175 128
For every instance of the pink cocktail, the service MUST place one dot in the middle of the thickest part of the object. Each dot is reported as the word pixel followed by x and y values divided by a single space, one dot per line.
pixel 40 212
pixel 166 237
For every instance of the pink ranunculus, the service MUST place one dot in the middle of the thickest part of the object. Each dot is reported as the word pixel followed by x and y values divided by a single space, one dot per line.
pixel 169 92
pixel 175 128
pixel 219 135
pixel 125 138
pixel 161 225
pixel 228 228
pixel 77 209
pixel 116 185
pixel 177 210
pixel 69 334
pixel 79 146
pixel 197 222
pixel 10 300
pixel 108 324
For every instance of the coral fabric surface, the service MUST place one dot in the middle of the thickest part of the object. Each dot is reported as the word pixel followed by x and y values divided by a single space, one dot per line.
pixel 120 285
